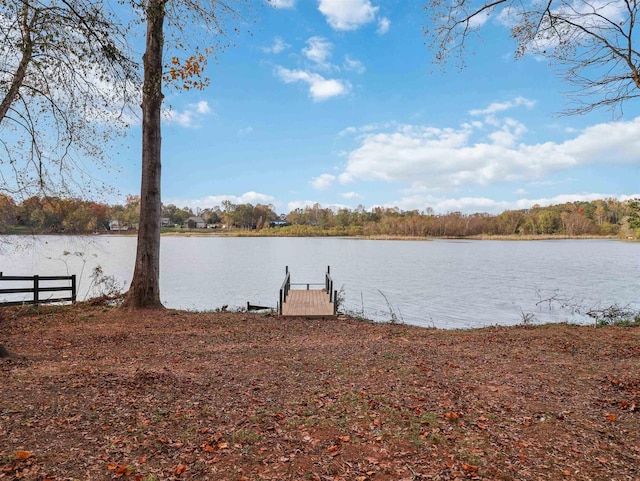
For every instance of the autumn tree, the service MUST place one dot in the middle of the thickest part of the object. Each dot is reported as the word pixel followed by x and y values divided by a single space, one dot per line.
pixel 593 43
pixel 7 213
pixel 263 215
pixel 65 80
pixel 180 16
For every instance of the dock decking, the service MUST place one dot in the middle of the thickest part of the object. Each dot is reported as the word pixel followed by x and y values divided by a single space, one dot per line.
pixel 311 303
pixel 307 302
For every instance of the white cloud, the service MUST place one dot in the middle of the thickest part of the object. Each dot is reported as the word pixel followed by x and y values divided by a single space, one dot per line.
pixel 383 25
pixel 509 16
pixel 190 116
pixel 472 205
pixel 353 64
pixel 367 128
pixel 282 3
pixel 502 106
pixel 347 14
pixel 482 154
pixel 318 50
pixel 202 107
pixel 278 46
pixel 323 181
pixel 350 195
pixel 319 87
pixel 346 178
pixel 301 204
pixel 214 200
pixel 479 20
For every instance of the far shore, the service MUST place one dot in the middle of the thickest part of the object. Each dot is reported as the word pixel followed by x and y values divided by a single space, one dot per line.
pixel 270 233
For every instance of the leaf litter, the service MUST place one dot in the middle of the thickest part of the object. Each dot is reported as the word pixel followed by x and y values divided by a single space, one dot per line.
pixel 98 393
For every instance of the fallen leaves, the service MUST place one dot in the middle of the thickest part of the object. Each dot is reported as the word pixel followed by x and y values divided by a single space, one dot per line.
pixel 216 396
pixel 179 469
pixel 22 455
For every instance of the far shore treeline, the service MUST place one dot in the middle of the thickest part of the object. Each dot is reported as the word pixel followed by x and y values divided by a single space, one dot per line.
pixel 53 215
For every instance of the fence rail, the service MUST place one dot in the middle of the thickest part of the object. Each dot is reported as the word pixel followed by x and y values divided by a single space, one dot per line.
pixel 37 289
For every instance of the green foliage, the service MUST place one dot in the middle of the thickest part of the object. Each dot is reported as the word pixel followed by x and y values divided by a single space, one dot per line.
pixel 633 219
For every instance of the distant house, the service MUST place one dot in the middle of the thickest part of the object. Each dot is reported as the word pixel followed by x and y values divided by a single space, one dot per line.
pixel 166 222
pixel 278 223
pixel 114 225
pixel 195 222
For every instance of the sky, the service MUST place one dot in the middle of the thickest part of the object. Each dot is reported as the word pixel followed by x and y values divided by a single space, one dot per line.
pixel 339 102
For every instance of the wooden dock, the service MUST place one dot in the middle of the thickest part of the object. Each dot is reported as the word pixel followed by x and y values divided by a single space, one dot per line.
pixel 307 302
pixel 311 303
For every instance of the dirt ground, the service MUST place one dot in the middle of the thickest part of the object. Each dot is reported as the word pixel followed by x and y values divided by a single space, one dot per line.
pixel 99 393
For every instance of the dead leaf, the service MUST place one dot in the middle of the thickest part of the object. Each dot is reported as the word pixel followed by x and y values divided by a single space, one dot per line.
pixel 611 417
pixel 180 468
pixel 469 468
pixel 22 455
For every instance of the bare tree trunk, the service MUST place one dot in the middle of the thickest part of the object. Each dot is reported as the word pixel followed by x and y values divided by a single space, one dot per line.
pixel 145 285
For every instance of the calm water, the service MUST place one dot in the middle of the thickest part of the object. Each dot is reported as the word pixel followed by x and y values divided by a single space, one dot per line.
pixel 448 284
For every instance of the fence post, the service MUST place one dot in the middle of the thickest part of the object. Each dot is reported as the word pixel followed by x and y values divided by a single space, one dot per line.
pixel 335 302
pixel 36 287
pixel 73 289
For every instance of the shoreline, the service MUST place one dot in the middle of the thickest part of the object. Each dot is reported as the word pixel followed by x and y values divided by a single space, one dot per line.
pixel 239 233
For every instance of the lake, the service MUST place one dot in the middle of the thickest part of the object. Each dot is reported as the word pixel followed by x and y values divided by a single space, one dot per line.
pixel 437 283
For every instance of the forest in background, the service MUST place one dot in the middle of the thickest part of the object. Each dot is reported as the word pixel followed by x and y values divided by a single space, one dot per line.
pixel 53 215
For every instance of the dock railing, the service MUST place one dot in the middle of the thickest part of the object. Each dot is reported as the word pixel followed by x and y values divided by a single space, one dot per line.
pixel 284 289
pixel 328 288
pixel 333 295
pixel 37 289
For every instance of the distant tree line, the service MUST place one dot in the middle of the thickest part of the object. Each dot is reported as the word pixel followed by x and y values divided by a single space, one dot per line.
pixel 608 217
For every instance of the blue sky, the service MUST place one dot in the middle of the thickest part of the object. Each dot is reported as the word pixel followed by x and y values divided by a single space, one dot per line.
pixel 338 102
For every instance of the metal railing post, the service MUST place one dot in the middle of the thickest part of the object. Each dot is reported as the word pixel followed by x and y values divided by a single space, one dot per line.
pixel 36 287
pixel 73 289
